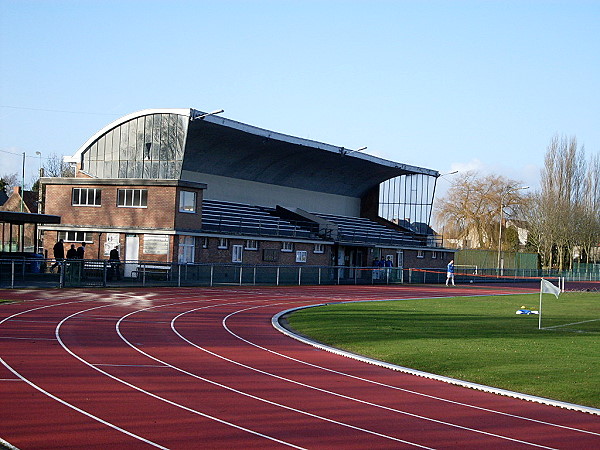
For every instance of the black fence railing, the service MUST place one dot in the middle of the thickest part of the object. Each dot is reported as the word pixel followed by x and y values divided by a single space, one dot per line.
pixel 24 272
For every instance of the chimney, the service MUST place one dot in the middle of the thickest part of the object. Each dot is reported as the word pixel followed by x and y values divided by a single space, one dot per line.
pixel 17 190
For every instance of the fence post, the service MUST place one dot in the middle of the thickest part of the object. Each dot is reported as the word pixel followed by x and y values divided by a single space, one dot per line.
pixel 179 274
pixel 12 274
pixel 241 268
pixel 277 283
pixel 299 276
pixel 212 268
pixel 254 277
pixel 319 276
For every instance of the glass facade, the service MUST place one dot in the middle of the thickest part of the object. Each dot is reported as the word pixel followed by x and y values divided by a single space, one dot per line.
pixel 407 199
pixel 148 147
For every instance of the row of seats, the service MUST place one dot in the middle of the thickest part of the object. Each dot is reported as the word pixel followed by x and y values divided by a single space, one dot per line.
pixel 361 229
pixel 229 217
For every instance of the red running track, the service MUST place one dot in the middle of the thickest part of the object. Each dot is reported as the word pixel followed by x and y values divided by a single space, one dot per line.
pixel 204 368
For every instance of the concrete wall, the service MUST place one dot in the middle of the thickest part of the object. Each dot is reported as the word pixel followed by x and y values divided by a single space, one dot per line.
pixel 253 193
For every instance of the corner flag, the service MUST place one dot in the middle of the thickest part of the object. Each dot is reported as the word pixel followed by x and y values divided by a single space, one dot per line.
pixel 549 288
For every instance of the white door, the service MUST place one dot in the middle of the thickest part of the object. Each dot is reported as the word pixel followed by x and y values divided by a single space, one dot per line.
pixel 132 249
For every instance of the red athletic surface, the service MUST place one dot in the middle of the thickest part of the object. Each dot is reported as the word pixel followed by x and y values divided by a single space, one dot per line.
pixel 204 368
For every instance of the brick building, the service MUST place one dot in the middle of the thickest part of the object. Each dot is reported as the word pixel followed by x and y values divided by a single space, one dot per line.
pixel 184 186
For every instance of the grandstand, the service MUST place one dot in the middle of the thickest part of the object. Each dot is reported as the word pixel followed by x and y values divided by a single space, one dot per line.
pixel 180 185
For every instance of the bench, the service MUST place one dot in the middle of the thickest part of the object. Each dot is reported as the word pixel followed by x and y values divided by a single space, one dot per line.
pixel 144 270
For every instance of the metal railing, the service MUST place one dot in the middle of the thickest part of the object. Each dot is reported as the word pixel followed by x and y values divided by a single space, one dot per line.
pixel 24 272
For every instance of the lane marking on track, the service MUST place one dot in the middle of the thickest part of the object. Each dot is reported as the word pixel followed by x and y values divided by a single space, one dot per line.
pixel 27 338
pixel 326 419
pixel 131 365
pixel 275 318
pixel 61 401
pixel 325 391
pixel 170 402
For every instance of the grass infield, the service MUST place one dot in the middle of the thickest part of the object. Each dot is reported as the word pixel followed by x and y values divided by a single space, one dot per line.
pixel 477 339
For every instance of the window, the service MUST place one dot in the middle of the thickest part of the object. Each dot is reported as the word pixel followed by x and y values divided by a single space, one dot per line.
pixel 132 198
pixel 251 244
pixel 223 243
pixel 433 255
pixel 75 236
pixel 319 248
pixel 301 256
pixel 86 197
pixel 187 245
pixel 420 254
pixel 187 201
pixel 270 255
pixel 287 246
pixel 204 242
pixel 237 252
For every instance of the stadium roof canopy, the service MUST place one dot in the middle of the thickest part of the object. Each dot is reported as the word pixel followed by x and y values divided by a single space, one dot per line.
pixel 219 146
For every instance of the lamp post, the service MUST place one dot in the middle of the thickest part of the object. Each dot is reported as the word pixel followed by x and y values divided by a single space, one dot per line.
pixel 508 191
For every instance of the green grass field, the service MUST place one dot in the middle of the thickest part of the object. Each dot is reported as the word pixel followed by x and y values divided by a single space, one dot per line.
pixel 478 339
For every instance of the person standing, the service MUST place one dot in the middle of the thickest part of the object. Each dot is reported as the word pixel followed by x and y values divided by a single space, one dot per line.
pixel 81 251
pixel 72 252
pixel 59 254
pixel 115 263
pixel 450 273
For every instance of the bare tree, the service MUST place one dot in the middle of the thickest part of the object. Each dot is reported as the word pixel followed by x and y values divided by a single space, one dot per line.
pixel 55 166
pixel 566 215
pixel 472 206
pixel 8 181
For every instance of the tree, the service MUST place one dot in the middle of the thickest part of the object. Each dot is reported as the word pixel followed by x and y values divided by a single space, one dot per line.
pixel 55 166
pixel 8 181
pixel 472 205
pixel 565 215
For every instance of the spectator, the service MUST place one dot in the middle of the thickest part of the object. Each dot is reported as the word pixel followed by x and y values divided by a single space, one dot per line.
pixel 59 254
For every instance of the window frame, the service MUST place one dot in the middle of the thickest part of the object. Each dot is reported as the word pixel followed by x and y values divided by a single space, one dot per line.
pixel 287 246
pixel 237 253
pixel 320 248
pixel 96 197
pixel 301 256
pixel 142 198
pixel 223 244
pixel 85 236
pixel 420 254
pixel 251 244
pixel 183 202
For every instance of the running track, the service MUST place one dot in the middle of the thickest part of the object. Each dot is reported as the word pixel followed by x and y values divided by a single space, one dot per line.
pixel 204 368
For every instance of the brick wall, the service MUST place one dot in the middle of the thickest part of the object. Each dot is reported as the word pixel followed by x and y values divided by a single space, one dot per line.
pixel 158 214
pixel 213 254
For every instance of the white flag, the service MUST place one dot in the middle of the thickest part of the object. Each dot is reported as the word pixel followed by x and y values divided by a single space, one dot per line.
pixel 549 288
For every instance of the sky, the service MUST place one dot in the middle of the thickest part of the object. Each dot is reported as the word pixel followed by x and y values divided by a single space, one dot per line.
pixel 446 85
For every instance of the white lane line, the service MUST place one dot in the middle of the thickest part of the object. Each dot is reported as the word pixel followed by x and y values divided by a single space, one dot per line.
pixel 137 388
pixel 336 394
pixel 27 338
pixel 399 388
pixel 132 365
pixel 63 402
pixel 326 419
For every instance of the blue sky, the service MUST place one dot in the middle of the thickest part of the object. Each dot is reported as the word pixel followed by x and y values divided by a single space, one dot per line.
pixel 441 84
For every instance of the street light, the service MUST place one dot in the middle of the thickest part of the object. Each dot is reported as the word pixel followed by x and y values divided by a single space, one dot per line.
pixel 39 206
pixel 508 191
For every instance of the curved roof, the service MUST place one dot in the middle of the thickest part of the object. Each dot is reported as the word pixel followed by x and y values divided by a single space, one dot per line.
pixel 219 146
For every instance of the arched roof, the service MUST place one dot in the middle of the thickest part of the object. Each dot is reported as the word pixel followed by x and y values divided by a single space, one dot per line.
pixel 219 146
